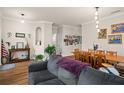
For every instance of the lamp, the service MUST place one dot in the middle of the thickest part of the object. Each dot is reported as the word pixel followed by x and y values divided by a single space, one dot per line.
pixel 97 19
pixel 22 20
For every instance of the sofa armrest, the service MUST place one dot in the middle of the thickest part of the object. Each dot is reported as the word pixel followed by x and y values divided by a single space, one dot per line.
pixel 37 66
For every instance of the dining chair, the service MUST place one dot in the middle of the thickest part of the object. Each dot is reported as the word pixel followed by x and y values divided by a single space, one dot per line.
pixel 77 55
pixel 91 50
pixel 86 57
pixel 76 50
pixel 100 61
pixel 102 52
pixel 112 54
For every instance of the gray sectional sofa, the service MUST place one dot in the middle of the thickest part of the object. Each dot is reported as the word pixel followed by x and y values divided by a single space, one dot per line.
pixel 49 73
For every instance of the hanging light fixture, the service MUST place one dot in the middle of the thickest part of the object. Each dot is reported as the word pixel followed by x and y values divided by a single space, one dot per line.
pixel 97 19
pixel 22 18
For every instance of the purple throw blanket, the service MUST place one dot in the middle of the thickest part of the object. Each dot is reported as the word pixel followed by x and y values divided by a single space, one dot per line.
pixel 73 66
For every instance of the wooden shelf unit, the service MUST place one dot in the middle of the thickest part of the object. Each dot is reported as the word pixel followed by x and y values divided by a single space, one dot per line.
pixel 18 50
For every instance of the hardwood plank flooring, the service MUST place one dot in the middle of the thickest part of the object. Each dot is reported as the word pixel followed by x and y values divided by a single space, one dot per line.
pixel 15 76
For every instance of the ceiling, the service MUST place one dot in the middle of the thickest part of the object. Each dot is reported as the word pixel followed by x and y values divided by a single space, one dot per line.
pixel 60 15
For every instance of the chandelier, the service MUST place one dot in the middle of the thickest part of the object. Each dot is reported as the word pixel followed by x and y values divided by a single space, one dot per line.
pixel 97 19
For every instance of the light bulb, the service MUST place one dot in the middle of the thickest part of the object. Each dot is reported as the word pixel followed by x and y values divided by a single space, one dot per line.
pixel 97 26
pixel 98 30
pixel 96 13
pixel 97 22
pixel 22 21
pixel 96 17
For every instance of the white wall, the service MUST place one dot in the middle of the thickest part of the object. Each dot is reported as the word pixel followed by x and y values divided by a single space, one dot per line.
pixel 47 34
pixel 15 26
pixel 90 34
pixel 37 49
pixel 70 30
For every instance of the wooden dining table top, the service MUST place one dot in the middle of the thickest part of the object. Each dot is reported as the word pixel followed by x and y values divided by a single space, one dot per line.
pixel 117 58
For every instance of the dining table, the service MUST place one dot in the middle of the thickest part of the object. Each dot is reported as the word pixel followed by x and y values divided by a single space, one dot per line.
pixel 117 59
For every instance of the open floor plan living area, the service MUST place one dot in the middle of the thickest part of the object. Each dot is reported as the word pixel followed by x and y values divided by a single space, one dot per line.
pixel 62 46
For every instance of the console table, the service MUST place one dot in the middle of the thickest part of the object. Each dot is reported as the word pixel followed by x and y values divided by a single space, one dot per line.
pixel 14 52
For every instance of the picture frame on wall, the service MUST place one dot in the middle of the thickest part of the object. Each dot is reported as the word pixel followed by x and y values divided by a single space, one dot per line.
pixel 72 40
pixel 115 39
pixel 19 45
pixel 13 47
pixel 20 35
pixel 102 34
pixel 117 28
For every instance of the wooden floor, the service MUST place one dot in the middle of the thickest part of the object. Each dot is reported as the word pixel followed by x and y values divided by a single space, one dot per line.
pixel 15 76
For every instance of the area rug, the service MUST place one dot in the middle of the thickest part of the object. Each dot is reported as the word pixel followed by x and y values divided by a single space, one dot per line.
pixel 7 67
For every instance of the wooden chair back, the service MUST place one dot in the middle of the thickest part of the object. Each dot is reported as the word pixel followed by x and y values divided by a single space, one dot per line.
pixel 91 50
pixel 101 52
pixel 111 53
pixel 98 60
pixel 76 50
pixel 86 57
pixel 77 55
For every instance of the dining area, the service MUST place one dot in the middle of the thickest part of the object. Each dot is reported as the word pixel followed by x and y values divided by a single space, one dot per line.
pixel 101 59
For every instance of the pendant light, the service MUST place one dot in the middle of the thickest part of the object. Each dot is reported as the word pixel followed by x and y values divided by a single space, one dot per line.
pixel 97 19
pixel 22 18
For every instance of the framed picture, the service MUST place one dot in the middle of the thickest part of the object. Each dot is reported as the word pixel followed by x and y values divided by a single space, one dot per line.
pixel 117 28
pixel 72 40
pixel 19 45
pixel 102 34
pixel 115 39
pixel 12 47
pixel 20 35
pixel 66 40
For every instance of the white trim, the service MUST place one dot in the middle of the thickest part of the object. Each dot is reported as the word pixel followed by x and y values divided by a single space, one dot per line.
pixel 72 26
pixel 105 18
pixel 27 21
pixel 42 21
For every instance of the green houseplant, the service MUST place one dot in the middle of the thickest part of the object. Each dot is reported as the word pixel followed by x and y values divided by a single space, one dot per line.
pixel 39 57
pixel 51 49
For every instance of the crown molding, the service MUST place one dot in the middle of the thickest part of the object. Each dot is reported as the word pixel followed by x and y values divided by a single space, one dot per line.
pixel 105 18
pixel 72 26
pixel 26 21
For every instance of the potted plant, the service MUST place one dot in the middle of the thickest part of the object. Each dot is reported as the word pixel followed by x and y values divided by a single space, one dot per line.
pixel 39 57
pixel 50 50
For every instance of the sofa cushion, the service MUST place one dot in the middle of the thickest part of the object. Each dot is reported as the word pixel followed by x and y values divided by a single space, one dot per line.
pixel 67 77
pixel 40 76
pixel 110 70
pixel 90 76
pixel 52 66
pixel 113 80
pixel 71 65
pixel 37 66
pixel 51 82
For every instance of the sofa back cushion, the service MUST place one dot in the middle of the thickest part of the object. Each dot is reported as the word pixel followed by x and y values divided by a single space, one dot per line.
pixel 52 66
pixel 67 77
pixel 71 65
pixel 91 76
pixel 113 80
